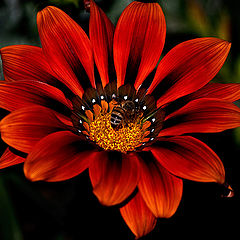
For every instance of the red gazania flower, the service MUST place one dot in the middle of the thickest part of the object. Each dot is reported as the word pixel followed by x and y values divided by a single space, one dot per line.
pixel 127 123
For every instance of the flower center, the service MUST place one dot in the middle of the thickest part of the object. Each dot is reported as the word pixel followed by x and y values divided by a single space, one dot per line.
pixel 120 119
pixel 123 139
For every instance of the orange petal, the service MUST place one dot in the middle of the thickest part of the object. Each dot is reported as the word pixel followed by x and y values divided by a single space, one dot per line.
pixel 23 62
pixel 24 127
pixel 188 67
pixel 104 105
pixel 67 48
pixel 97 109
pixel 146 133
pixel 9 158
pixel 202 115
pixel 89 115
pixel 57 157
pixel 86 126
pixel 101 32
pixel 112 104
pixel 18 94
pixel 160 190
pixel 138 41
pixel 145 140
pixel 138 217
pixel 189 158
pixel 114 177
pixel 224 91
pixel 85 133
pixel 146 125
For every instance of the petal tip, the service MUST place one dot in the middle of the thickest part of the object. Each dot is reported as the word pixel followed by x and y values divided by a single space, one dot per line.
pixel 47 10
pixel 221 178
pixel 30 175
pixel 226 44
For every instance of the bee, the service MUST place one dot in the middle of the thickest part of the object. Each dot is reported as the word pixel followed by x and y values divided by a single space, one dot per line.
pixel 123 113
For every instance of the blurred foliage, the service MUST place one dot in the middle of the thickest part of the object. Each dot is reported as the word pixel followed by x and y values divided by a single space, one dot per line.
pixel 186 19
pixel 9 227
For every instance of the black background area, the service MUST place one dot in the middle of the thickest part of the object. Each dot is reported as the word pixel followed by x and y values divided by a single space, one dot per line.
pixel 69 210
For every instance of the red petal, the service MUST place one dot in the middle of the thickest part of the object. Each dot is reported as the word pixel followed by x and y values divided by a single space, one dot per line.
pixel 23 62
pixel 138 41
pixel 23 128
pixel 114 177
pixel 67 48
pixel 202 115
pixel 57 157
pixel 224 91
pixel 138 217
pixel 188 67
pixel 14 95
pixel 189 158
pixel 160 190
pixel 9 158
pixel 101 32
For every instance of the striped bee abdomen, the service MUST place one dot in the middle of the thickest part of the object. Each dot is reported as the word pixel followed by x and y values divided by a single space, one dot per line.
pixel 117 116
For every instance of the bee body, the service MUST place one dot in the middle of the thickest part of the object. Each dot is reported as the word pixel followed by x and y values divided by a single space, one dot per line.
pixel 117 116
pixel 123 113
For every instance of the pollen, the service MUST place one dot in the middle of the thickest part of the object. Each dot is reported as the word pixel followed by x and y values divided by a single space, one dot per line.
pixel 124 139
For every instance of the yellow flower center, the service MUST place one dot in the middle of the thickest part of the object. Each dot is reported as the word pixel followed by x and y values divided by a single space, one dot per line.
pixel 123 139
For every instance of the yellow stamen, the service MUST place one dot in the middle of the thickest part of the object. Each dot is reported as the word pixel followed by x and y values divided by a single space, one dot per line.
pixel 124 139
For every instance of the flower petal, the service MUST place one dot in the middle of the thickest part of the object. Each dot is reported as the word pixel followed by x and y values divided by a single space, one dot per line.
pixel 101 32
pixel 18 94
pixel 114 177
pixel 160 190
pixel 189 158
pixel 23 128
pixel 58 156
pixel 188 67
pixel 138 217
pixel 67 48
pixel 138 41
pixel 23 62
pixel 9 158
pixel 202 115
pixel 224 91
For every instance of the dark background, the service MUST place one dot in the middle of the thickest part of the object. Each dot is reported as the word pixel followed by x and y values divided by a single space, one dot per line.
pixel 68 210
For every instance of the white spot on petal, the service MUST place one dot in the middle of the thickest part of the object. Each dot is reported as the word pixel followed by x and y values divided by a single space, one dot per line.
pixel 154 119
pixel 144 107
pixel 93 100
pixel 125 97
